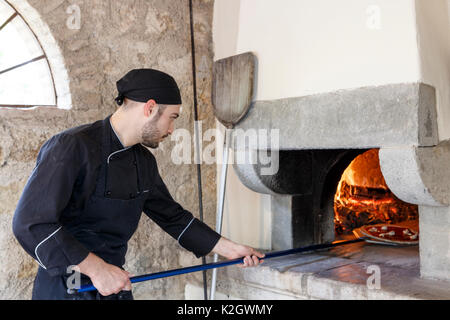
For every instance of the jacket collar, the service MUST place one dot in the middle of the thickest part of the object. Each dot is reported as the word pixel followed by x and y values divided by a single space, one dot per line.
pixel 111 141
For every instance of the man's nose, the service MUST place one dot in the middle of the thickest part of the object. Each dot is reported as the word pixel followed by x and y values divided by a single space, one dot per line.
pixel 171 127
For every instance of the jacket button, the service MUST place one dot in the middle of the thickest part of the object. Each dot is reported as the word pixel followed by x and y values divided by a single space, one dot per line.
pixel 135 162
pixel 131 196
pixel 108 193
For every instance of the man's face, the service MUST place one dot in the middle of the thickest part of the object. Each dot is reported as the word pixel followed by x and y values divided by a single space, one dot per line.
pixel 160 126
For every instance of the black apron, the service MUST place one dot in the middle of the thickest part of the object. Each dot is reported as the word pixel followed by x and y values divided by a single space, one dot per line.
pixel 104 228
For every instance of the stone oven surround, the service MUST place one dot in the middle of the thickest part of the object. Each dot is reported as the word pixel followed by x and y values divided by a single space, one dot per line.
pixel 319 135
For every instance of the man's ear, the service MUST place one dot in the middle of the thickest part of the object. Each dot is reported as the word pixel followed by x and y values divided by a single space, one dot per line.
pixel 150 108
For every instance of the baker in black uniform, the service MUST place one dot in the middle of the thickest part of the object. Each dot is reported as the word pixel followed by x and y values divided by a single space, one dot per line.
pixel 84 198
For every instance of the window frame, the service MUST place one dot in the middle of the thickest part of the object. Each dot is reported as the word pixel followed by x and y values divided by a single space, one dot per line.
pixel 35 59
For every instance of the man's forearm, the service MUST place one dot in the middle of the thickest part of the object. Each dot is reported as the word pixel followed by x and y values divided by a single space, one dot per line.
pixel 90 265
pixel 224 248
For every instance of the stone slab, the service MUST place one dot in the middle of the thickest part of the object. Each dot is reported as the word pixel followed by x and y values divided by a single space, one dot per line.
pixel 379 116
pixel 340 273
pixel 434 242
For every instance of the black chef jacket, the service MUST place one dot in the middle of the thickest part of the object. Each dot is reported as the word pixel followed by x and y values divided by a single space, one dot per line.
pixel 67 169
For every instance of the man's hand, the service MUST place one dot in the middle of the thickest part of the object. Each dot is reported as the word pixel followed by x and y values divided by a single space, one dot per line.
pixel 106 278
pixel 232 250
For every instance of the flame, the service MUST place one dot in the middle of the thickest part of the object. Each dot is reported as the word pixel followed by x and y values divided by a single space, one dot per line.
pixel 363 197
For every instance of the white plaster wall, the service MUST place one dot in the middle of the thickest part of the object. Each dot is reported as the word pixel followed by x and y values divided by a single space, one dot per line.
pixel 225 27
pixel 312 46
pixel 433 25
pixel 244 219
pixel 246 214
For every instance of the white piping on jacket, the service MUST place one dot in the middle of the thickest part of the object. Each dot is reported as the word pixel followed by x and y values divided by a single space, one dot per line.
pixel 35 250
pixel 117 152
pixel 179 237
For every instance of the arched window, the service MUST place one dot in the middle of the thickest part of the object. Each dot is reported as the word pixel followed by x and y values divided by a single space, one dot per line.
pixel 25 77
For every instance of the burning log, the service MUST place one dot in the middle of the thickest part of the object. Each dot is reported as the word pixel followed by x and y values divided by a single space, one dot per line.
pixel 363 198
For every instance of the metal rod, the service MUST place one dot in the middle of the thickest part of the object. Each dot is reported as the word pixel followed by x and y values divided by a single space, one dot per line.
pixel 22 64
pixel 197 143
pixel 215 265
pixel 219 217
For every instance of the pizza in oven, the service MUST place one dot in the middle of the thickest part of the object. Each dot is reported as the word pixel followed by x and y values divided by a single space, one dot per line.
pixel 390 233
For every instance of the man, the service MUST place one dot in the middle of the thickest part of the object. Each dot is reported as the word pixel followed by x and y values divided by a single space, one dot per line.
pixel 83 200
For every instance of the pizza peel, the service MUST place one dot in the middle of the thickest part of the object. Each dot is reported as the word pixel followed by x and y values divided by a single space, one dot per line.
pixel 232 93
pixel 232 88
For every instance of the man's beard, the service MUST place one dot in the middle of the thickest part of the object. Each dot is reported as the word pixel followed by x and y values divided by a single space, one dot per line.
pixel 151 134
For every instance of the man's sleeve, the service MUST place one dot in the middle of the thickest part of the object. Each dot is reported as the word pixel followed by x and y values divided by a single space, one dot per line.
pixel 191 233
pixel 47 192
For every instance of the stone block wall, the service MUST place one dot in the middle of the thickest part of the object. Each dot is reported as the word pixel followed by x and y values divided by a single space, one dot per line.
pixel 114 37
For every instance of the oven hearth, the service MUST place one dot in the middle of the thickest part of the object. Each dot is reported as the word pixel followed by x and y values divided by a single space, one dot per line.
pixel 354 271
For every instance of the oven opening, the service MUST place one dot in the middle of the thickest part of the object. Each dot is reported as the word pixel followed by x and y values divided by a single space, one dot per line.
pixel 363 198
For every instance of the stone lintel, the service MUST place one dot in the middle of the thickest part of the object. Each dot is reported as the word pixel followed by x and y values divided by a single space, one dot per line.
pixel 370 117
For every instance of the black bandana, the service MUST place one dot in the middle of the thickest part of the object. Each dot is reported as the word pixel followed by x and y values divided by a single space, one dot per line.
pixel 144 84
